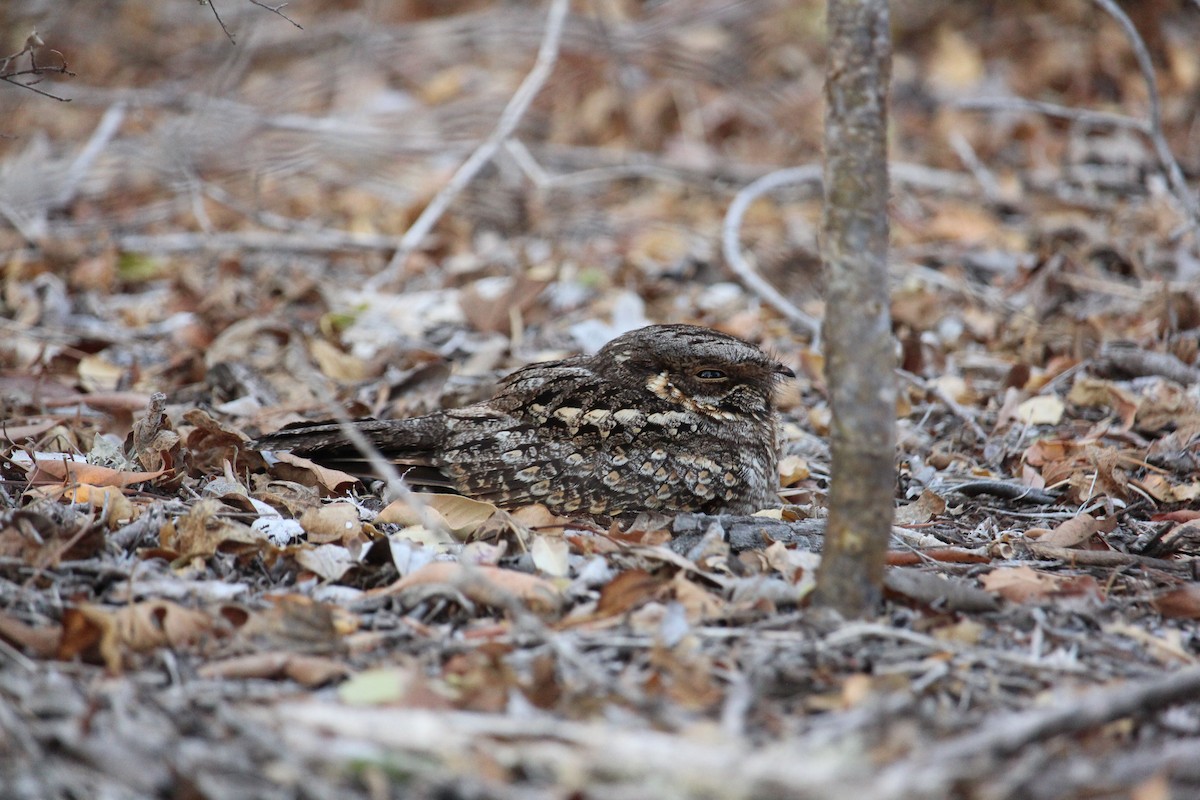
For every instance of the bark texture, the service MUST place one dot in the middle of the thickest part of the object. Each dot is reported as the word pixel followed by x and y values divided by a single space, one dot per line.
pixel 859 352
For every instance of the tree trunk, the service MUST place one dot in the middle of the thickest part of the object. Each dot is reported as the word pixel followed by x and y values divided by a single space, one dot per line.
pixel 859 353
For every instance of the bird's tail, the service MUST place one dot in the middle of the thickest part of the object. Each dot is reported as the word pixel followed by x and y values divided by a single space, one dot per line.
pixel 406 442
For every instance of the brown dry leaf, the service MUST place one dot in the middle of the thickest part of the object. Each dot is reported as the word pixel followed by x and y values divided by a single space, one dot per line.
pixel 17 432
pixel 1106 476
pixel 684 675
pixel 306 670
pixel 204 529
pixel 479 680
pixel 1186 492
pixel 1078 530
pixel 627 591
pixel 44 539
pixel 491 586
pixel 956 388
pixel 298 624
pixel 336 522
pixel 153 440
pixel 338 365
pixel 1049 451
pixel 445 85
pixel 1161 489
pixel 1024 584
pixel 1182 602
pixel 462 516
pixel 1167 405
pixel 35 642
pixel 654 247
pixel 51 470
pixel 310 473
pixel 796 566
pixel 964 631
pixel 812 366
pixel 483 553
pixel 97 633
pixel 210 433
pixel 540 519
pixel 118 508
pixel 925 508
pixel 1183 538
pixel 1168 648
pixel 792 470
pixel 496 314
pixel 1096 393
pixel 957 63
pixel 98 374
pixel 699 603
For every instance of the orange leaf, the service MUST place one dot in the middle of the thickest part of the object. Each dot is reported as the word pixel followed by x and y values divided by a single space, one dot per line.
pixel 58 469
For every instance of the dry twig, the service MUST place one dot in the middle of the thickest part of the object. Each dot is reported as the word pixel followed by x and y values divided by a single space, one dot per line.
pixel 741 267
pixel 1152 128
pixel 32 42
pixel 509 119
pixel 934 771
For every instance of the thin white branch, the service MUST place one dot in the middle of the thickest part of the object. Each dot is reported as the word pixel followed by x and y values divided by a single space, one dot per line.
pixel 323 241
pixel 509 119
pixel 1165 157
pixel 1084 115
pixel 100 138
pixel 1152 129
pixel 397 487
pixel 970 159
pixel 731 247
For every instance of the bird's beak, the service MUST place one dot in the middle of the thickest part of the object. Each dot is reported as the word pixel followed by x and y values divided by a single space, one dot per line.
pixel 784 369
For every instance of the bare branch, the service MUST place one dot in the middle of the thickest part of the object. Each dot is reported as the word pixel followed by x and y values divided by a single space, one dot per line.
pixel 278 10
pixel 732 251
pixel 220 21
pixel 509 119
pixel 1084 115
pixel 397 487
pixel 1152 128
pixel 32 42
pixel 324 241
pixel 1165 157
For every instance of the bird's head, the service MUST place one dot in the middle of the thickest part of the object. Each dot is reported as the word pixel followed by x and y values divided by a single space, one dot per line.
pixel 697 368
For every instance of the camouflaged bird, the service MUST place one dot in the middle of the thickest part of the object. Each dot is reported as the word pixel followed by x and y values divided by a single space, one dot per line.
pixel 667 418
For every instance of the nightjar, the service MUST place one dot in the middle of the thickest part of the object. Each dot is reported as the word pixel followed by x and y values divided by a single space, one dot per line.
pixel 666 418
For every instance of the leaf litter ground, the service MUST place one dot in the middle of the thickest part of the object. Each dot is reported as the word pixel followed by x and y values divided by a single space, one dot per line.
pixel 187 244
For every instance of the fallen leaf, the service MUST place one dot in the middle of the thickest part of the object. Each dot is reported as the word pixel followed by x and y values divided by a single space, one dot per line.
pixel 1078 530
pixel 1182 602
pixel 95 632
pixel 1024 584
pixel 925 508
pixel 491 586
pixel 332 480
pixel 1041 410
pixel 335 522
pixel 550 555
pixel 306 670
pixel 61 469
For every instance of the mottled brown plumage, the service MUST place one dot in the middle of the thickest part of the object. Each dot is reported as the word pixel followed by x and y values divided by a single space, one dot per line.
pixel 665 418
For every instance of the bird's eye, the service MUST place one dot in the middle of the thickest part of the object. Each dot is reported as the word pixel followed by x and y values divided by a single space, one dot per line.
pixel 711 375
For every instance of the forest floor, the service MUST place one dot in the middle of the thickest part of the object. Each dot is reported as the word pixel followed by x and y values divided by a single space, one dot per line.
pixel 199 235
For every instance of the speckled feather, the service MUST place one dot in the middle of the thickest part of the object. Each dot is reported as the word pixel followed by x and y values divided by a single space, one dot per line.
pixel 665 418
